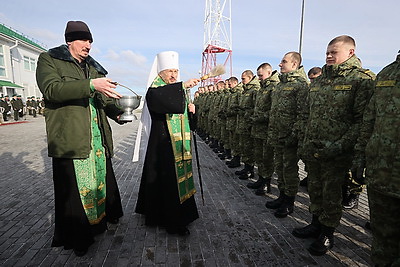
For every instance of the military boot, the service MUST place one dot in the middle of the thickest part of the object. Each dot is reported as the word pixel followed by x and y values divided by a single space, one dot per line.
pixel 350 201
pixel 261 190
pixel 242 171
pixel 323 243
pixel 260 183
pixel 274 204
pixel 286 208
pixel 228 153
pixel 312 230
pixel 304 182
pixel 234 163
pixel 248 174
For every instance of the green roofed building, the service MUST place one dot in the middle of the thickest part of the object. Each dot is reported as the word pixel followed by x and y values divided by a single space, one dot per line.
pixel 18 58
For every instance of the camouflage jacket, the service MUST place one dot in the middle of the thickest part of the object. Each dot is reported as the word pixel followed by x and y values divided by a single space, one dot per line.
pixel 337 101
pixel 233 107
pixel 223 105
pixel 288 99
pixel 246 106
pixel 262 106
pixel 379 140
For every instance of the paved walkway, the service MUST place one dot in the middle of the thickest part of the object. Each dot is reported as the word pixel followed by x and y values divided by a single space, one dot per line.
pixel 234 229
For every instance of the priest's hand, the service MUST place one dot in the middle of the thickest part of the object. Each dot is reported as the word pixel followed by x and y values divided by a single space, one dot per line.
pixel 191 83
pixel 192 108
pixel 104 86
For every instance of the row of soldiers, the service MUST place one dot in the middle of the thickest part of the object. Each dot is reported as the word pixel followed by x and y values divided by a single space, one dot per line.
pixel 16 107
pixel 276 120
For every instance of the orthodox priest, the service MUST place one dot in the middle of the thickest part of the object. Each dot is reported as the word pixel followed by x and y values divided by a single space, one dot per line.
pixel 166 194
pixel 78 100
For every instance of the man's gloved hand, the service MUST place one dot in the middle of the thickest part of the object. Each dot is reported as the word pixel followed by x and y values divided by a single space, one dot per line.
pixel 357 172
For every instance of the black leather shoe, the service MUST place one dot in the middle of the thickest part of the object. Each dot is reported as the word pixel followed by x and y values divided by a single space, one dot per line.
pixel 274 204
pixel 80 252
pixel 350 201
pixel 304 182
pixel 309 231
pixel 247 175
pixel 258 184
pixel 180 230
pixel 260 192
pixel 286 208
pixel 323 243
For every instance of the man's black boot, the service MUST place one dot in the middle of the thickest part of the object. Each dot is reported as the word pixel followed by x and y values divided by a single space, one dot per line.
pixel 234 163
pixel 260 183
pixel 268 185
pixel 248 174
pixel 274 204
pixel 324 241
pixel 304 182
pixel 286 208
pixel 350 201
pixel 228 153
pixel 312 230
pixel 242 171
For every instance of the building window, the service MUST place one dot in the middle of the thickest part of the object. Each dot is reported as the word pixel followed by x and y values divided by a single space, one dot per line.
pixel 2 64
pixel 29 63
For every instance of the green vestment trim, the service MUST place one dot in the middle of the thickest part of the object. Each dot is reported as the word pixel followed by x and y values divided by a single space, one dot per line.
pixel 91 174
pixel 179 131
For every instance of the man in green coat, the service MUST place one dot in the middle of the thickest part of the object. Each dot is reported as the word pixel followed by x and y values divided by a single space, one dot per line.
pixel 78 100
pixel 377 150
pixel 337 101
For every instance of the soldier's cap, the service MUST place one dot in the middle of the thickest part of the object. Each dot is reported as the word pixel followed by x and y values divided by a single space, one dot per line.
pixel 33 97
pixel 29 97
pixel 6 96
pixel 14 95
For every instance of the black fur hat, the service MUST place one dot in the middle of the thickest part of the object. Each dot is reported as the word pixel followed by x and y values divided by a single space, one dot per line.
pixel 77 30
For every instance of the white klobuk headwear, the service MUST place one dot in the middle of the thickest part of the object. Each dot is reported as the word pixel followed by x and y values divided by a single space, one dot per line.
pixel 163 61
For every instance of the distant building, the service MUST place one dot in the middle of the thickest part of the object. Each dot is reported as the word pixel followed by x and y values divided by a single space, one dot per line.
pixel 18 60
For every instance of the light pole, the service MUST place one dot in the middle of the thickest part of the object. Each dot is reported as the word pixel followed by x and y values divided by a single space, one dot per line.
pixel 301 26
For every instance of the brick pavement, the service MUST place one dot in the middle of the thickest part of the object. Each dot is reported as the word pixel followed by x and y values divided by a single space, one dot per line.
pixel 234 229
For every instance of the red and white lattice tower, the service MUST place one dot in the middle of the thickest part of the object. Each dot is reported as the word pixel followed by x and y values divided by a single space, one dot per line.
pixel 217 47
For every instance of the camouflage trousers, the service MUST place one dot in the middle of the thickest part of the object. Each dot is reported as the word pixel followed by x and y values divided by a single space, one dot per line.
pixel 286 161
pixel 224 134
pixel 352 186
pixel 325 181
pixel 234 143
pixel 385 221
pixel 246 144
pixel 264 158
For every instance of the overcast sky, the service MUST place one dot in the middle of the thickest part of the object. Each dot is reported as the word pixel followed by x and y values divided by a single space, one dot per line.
pixel 129 33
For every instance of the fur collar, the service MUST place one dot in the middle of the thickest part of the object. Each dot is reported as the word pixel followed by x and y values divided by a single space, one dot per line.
pixel 62 53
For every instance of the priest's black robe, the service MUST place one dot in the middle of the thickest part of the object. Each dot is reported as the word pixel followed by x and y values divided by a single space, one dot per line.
pixel 158 196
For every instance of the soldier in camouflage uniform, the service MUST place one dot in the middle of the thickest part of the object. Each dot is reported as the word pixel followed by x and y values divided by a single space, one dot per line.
pixel 337 101
pixel 219 120
pixel 231 121
pixel 377 149
pixel 246 109
pixel 226 153
pixel 285 123
pixel 263 153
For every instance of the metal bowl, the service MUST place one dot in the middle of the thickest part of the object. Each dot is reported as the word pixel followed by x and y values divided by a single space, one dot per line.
pixel 128 103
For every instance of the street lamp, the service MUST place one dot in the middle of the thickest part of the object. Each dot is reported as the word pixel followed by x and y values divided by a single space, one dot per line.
pixel 301 26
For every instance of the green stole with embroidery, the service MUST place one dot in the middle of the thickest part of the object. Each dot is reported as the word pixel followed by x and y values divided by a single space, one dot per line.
pixel 91 174
pixel 179 131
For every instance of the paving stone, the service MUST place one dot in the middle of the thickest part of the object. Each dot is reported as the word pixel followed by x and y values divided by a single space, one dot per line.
pixel 234 228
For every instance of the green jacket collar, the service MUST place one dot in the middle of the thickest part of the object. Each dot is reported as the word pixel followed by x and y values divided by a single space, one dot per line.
pixel 274 78
pixel 342 69
pixel 62 53
pixel 296 75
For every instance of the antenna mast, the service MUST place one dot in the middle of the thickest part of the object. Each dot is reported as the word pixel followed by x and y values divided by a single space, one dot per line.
pixel 217 37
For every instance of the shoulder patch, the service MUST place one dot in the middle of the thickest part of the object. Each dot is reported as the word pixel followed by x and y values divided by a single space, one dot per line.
pixel 314 88
pixel 342 87
pixel 288 88
pixel 389 83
